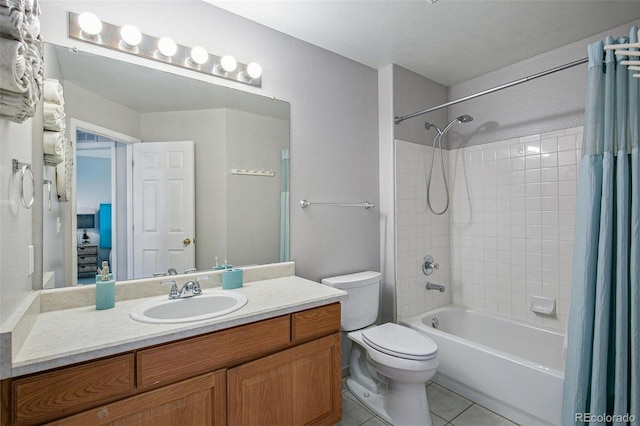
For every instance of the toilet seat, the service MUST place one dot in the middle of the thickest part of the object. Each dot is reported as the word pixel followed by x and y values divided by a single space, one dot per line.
pixel 401 342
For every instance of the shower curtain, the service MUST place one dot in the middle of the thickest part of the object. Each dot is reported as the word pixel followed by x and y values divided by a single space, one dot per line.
pixel 602 375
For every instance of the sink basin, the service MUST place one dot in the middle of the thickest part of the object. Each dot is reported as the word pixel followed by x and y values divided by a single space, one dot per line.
pixel 196 308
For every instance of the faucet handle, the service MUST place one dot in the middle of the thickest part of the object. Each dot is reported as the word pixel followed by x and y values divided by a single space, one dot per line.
pixel 196 285
pixel 429 264
pixel 173 294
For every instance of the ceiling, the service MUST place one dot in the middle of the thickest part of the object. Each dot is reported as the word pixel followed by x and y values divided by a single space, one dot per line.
pixel 447 41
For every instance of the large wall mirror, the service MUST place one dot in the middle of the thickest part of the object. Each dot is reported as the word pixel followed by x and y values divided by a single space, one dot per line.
pixel 132 127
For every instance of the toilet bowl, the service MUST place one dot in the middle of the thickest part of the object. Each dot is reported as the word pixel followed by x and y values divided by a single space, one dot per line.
pixel 390 363
pixel 390 366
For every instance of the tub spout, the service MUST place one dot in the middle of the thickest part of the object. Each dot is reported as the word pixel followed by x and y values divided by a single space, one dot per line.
pixel 432 286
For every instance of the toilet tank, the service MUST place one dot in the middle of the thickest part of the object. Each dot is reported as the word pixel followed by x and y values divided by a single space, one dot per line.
pixel 361 307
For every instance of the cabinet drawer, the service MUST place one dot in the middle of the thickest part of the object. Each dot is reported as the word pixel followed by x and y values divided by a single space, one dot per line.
pixel 90 260
pixel 70 390
pixel 315 322
pixel 197 401
pixel 88 269
pixel 84 250
pixel 175 361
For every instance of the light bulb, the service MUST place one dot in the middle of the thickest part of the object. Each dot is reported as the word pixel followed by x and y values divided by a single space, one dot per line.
pixel 228 63
pixel 131 35
pixel 254 70
pixel 199 55
pixel 167 47
pixel 89 23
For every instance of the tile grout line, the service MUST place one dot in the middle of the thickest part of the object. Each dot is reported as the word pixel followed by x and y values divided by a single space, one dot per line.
pixel 460 413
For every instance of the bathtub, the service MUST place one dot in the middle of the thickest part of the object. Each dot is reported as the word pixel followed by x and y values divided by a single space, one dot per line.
pixel 512 368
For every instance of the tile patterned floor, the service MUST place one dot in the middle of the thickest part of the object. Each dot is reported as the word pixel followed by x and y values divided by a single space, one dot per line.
pixel 447 409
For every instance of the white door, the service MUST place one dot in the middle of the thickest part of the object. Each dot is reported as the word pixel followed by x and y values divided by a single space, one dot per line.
pixel 163 207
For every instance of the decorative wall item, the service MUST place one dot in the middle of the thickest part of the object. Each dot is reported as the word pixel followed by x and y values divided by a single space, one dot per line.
pixel 21 59
pixel 128 39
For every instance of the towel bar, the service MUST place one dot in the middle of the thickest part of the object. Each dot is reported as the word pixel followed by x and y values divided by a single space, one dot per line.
pixel 19 167
pixel 367 205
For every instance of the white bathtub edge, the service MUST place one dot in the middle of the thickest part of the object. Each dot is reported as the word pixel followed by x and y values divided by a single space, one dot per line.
pixel 497 406
pixel 459 372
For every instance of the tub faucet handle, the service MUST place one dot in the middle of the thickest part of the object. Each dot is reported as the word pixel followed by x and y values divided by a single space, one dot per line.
pixel 429 264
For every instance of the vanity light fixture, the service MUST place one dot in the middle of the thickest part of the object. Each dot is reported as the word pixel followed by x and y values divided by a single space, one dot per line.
pixel 254 70
pixel 89 28
pixel 131 36
pixel 228 63
pixel 90 25
pixel 167 47
pixel 199 55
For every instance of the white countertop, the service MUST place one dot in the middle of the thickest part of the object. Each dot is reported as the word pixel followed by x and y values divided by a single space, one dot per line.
pixel 69 336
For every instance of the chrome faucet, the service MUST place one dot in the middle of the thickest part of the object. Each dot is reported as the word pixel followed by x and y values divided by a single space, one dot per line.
pixel 432 286
pixel 171 271
pixel 189 289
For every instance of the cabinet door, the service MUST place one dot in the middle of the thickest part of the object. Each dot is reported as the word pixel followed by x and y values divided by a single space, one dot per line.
pixel 197 401
pixel 299 386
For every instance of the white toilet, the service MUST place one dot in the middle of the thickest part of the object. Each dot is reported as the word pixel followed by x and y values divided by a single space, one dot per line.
pixel 390 364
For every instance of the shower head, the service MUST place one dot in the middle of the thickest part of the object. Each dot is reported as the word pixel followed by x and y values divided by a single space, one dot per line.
pixel 461 119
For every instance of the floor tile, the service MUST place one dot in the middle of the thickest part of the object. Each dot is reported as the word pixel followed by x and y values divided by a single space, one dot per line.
pixel 445 403
pixel 480 416
pixel 376 421
pixel 353 414
pixel 437 421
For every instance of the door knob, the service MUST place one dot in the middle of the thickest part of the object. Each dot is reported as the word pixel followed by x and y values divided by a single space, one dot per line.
pixel 186 241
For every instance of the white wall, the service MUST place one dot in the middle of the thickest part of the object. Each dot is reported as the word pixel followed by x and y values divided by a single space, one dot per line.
pixel 15 220
pixel 88 107
pixel 253 202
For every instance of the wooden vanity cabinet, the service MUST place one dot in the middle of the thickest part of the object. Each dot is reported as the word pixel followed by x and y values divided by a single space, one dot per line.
pixel 197 401
pixel 280 371
pixel 299 386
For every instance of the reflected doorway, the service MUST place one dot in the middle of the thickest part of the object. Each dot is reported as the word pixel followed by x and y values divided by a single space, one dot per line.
pixel 97 187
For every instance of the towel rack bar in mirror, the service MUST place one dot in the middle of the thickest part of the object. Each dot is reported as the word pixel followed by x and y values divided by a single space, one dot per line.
pixel 367 205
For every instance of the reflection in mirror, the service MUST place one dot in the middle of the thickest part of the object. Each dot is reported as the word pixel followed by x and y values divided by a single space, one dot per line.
pixel 126 119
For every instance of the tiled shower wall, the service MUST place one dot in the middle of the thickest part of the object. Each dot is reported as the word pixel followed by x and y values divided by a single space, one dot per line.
pixel 419 232
pixel 509 230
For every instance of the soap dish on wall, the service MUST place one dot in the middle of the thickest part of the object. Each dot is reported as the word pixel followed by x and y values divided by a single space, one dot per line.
pixel 543 305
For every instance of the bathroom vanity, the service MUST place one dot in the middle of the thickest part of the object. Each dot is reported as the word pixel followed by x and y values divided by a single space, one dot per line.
pixel 275 361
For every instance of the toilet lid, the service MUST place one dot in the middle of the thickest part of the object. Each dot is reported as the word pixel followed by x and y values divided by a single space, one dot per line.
pixel 402 342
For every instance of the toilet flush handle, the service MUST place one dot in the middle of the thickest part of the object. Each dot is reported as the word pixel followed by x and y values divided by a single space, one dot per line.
pixel 429 264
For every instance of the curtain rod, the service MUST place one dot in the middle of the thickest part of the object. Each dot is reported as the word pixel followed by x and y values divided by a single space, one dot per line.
pixel 399 120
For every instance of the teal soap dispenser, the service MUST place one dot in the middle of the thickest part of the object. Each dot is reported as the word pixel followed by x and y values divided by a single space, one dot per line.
pixel 105 288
